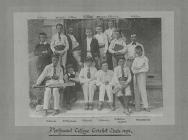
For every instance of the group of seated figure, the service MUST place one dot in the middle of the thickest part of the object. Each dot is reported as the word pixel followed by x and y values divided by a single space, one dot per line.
pixel 103 61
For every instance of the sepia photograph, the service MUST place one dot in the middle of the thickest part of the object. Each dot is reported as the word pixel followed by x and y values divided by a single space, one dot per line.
pixel 101 65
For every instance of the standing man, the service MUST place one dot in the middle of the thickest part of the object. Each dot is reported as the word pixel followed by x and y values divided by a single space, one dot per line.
pixel 110 30
pixel 130 56
pixel 73 53
pixel 90 48
pixel 43 51
pixel 117 47
pixel 140 67
pixel 60 45
pixel 103 42
pixel 109 34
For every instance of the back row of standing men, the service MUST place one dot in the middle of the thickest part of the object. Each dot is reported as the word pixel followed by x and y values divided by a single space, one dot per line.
pixel 102 49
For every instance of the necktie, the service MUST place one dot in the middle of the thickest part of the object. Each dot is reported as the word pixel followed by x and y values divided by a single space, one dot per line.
pixel 88 73
pixel 134 43
pixel 54 72
pixel 122 72
pixel 59 36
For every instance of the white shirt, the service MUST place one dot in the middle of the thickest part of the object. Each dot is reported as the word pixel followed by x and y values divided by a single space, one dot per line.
pixel 118 74
pixel 119 41
pixel 48 71
pixel 83 74
pixel 103 77
pixel 74 41
pixel 131 50
pixel 102 40
pixel 55 41
pixel 140 64
pixel 109 33
pixel 88 46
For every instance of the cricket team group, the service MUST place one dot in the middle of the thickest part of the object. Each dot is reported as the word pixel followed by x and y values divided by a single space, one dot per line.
pixel 102 63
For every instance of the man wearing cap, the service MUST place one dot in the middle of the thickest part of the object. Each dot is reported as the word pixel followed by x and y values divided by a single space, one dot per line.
pixel 60 45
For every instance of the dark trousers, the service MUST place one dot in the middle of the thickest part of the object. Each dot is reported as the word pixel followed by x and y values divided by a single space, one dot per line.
pixel 70 94
pixel 109 60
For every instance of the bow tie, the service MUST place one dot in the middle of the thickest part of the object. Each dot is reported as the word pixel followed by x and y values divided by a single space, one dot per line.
pixel 134 43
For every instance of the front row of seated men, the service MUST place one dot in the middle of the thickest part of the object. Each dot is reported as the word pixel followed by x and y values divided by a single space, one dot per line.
pixel 114 83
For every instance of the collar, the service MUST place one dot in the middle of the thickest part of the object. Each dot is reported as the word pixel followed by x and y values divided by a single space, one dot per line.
pixel 124 66
pixel 60 33
pixel 99 33
pixel 111 28
pixel 105 71
pixel 43 43
pixel 142 56
pixel 119 39
pixel 71 73
pixel 89 38
pixel 56 66
pixel 135 42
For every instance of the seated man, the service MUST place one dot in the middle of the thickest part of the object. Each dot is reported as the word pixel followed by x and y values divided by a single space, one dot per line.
pixel 53 75
pixel 88 80
pixel 71 78
pixel 104 81
pixel 121 81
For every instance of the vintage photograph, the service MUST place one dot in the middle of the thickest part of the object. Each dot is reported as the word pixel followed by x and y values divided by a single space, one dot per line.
pixel 94 66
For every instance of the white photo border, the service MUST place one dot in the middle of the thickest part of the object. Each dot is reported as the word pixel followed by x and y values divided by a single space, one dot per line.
pixel 21 69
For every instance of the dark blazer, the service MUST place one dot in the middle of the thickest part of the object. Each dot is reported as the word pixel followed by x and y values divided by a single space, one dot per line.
pixel 70 42
pixel 94 49
pixel 43 47
pixel 70 58
pixel 43 59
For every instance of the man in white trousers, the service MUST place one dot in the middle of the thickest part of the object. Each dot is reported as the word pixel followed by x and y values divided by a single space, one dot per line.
pixel 52 74
pixel 88 80
pixel 130 56
pixel 140 67
pixel 104 81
